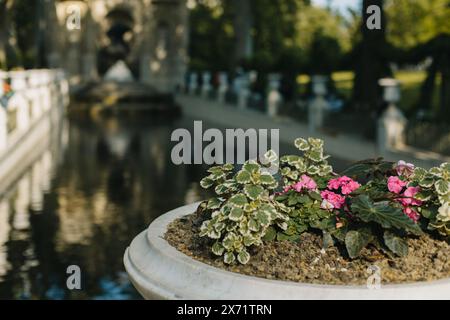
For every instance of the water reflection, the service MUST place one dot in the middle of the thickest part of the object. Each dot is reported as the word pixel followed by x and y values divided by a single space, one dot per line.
pixel 82 201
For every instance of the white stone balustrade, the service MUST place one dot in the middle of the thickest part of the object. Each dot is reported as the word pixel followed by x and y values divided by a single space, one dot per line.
pixel 242 84
pixel 34 93
pixel 206 84
pixel 274 97
pixel 319 105
pixel 392 123
pixel 223 87
pixel 193 83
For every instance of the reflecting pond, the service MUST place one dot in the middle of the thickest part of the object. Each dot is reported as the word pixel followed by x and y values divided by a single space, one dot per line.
pixel 81 202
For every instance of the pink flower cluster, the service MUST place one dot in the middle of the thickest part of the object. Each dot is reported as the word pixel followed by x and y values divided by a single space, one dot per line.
pixel 396 185
pixel 305 182
pixel 333 200
pixel 330 198
pixel 347 185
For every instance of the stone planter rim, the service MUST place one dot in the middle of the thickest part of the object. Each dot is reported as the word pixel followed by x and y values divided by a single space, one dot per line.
pixel 153 239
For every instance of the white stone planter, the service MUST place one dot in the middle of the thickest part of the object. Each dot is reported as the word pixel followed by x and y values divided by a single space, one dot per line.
pixel 159 271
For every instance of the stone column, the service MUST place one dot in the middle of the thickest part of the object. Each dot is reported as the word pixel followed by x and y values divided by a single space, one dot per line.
pixel 206 84
pixel 223 87
pixel 244 92
pixel 193 83
pixel 3 129
pixel 318 106
pixel 391 125
pixel 274 98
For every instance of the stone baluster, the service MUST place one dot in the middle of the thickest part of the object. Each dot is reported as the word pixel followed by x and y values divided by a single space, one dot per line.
pixel 318 106
pixel 34 95
pixel 193 83
pixel 243 91
pixel 206 84
pixel 3 129
pixel 274 98
pixel 223 87
pixel 392 123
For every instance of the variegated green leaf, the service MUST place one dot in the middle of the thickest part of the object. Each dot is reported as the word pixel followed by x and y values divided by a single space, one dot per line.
pixel 217 175
pixel 213 234
pixel 253 191
pixel 442 187
pixel 315 155
pixel 253 225
pixel 236 214
pixel 313 170
pixel 243 176
pixel 215 169
pixel 270 157
pixel 206 183
pixel 243 256
pixel 221 189
pixel 218 248
pixel 263 217
pixel 427 181
pixel 436 171
pixel 315 143
pixel 228 167
pixel 248 240
pixel 301 144
pixel 238 200
pixel 267 179
pixel 251 167
pixel 213 203
pixel 229 257
pixel 419 173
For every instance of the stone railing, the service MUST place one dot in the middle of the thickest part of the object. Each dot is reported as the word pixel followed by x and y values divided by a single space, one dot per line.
pixel 390 126
pixel 32 104
pixel 31 94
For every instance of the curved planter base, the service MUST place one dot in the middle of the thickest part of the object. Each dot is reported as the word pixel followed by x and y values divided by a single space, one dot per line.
pixel 159 271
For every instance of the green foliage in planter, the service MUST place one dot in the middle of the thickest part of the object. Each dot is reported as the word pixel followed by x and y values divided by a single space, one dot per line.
pixel 435 190
pixel 374 202
pixel 312 162
pixel 243 210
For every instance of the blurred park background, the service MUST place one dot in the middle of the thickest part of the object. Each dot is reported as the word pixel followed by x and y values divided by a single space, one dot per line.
pixel 92 90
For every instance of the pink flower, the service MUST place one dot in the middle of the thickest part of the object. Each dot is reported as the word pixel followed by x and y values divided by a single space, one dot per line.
pixel 395 185
pixel 335 199
pixel 305 182
pixel 409 194
pixel 334 184
pixel 413 215
pixel 350 187
pixel 347 185
pixel 297 186
pixel 308 182
pixel 404 169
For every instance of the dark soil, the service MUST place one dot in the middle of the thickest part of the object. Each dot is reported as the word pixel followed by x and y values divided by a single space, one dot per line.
pixel 307 261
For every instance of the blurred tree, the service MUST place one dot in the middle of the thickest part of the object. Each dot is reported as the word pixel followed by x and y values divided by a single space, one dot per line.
pixel 315 21
pixel 438 50
pixel 19 33
pixel 8 49
pixel 328 49
pixel 27 17
pixel 414 22
pixel 242 26
pixel 371 61
pixel 211 35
